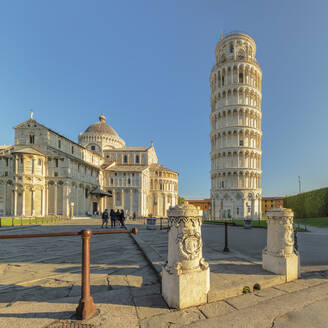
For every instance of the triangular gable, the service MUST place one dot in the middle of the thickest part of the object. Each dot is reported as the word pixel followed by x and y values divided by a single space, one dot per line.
pixel 153 152
pixel 106 166
pixel 27 150
pixel 30 121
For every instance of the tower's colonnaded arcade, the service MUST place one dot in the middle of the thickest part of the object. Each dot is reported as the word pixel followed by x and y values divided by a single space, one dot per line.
pixel 235 117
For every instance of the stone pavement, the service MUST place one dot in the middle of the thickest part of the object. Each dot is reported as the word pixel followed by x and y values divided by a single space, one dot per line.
pixel 230 272
pixel 40 286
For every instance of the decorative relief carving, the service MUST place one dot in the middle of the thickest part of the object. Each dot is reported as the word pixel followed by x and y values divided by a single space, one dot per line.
pixel 177 269
pixel 177 221
pixel 203 265
pixel 185 234
pixel 281 233
pixel 190 244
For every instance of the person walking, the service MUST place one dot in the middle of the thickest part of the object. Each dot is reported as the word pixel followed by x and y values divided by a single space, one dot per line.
pixel 105 218
pixel 112 218
pixel 122 217
pixel 118 215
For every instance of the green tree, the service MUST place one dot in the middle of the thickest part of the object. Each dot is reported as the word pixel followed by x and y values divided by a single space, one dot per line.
pixel 181 199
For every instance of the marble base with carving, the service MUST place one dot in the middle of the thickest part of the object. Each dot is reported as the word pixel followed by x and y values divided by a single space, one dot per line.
pixel 286 265
pixel 185 275
pixel 279 256
pixel 187 289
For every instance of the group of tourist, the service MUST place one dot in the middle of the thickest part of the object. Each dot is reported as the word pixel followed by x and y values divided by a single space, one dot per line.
pixel 114 216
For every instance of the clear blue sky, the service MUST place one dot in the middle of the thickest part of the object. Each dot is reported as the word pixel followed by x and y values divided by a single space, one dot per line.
pixel 146 65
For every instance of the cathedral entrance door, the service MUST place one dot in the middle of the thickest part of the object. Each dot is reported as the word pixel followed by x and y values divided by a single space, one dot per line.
pixel 94 207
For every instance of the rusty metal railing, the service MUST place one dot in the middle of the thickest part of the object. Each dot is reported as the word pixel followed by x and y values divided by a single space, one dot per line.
pixel 86 305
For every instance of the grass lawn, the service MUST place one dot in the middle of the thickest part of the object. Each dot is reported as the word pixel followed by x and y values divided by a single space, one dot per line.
pixel 314 222
pixel 8 222
pixel 255 223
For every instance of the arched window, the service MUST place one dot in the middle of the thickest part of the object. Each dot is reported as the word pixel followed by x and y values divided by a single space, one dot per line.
pixel 137 159
pixel 93 147
pixel 31 139
pixel 231 48
pixel 222 80
pixel 241 54
pixel 125 159
pixel 241 78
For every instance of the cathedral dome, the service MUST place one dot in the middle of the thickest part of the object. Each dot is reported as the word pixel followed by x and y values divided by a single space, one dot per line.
pixel 100 136
pixel 101 127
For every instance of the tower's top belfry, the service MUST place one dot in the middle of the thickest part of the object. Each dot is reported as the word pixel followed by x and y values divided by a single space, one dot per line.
pixel 236 66
pixel 235 46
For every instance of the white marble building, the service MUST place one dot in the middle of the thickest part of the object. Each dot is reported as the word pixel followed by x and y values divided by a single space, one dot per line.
pixel 236 134
pixel 44 173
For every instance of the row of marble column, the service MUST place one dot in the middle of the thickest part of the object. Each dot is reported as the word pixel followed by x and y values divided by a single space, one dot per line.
pixel 49 201
pixel 232 75
pixel 237 181
pixel 238 118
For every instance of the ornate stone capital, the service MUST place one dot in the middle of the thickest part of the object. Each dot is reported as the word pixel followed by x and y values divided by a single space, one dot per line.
pixel 278 213
pixel 183 210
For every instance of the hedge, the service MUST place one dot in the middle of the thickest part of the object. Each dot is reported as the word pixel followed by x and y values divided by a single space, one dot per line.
pixel 311 204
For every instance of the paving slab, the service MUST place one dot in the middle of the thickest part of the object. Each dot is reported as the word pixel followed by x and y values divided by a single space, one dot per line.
pixel 264 314
pixel 313 315
pixel 211 310
pixel 150 305
pixel 173 319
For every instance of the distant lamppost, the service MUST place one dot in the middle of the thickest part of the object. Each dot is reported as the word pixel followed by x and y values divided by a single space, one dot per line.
pixel 299 184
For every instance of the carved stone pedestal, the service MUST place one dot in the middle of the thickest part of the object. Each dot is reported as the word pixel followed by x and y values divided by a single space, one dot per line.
pixel 279 256
pixel 185 275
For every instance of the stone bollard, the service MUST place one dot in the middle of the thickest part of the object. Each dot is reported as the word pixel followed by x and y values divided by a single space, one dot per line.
pixel 279 256
pixel 185 275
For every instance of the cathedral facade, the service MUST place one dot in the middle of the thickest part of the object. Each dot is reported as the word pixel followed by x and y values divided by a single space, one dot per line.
pixel 47 174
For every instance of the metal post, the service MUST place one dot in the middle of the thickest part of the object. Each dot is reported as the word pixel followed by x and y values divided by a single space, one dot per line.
pixel 0 223
pixel 21 220
pixel 86 306
pixel 12 222
pixel 161 224
pixel 226 248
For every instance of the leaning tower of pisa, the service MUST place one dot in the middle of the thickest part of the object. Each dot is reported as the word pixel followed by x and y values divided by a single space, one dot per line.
pixel 235 83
